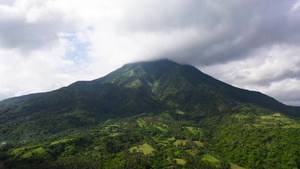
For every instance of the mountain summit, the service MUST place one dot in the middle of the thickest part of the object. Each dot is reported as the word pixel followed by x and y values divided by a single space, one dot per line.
pixel 179 86
pixel 158 114
pixel 143 87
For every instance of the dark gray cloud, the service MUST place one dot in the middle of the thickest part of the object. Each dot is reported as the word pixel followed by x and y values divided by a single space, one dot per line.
pixel 227 30
pixel 252 44
pixel 242 30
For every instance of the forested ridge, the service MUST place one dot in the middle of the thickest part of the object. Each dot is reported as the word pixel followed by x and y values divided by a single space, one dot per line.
pixel 149 115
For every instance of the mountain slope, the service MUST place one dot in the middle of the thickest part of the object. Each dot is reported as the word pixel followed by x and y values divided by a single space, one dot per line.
pixel 175 114
pixel 166 78
pixel 145 87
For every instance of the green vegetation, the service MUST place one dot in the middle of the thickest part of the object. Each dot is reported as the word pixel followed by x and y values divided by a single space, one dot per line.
pixel 116 142
pixel 210 159
pixel 234 166
pixel 39 151
pixel 60 141
pixel 199 143
pixel 179 112
pixel 127 144
pixel 178 142
pixel 145 148
pixel 180 161
pixel 149 115
pixel 161 129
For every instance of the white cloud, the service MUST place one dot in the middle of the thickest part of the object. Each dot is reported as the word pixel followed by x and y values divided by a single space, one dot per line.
pixel 273 70
pixel 39 71
pixel 285 90
pixel 295 6
pixel 51 43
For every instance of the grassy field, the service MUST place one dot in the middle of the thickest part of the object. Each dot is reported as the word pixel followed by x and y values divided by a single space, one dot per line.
pixel 171 139
pixel 39 151
pixel 178 142
pixel 60 141
pixel 234 166
pixel 210 159
pixel 180 161
pixel 145 148
pixel 199 143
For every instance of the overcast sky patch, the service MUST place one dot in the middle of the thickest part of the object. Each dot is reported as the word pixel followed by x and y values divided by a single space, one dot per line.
pixel 47 44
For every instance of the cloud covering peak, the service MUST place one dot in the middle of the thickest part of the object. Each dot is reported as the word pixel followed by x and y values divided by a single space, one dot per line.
pixel 253 44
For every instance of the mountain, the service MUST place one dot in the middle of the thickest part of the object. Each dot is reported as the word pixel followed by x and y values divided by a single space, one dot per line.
pixel 144 89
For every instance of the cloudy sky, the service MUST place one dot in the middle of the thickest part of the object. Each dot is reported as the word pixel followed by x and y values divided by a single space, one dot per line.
pixel 252 44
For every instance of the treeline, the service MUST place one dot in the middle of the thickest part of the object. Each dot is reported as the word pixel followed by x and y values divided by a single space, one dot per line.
pixel 252 138
pixel 109 146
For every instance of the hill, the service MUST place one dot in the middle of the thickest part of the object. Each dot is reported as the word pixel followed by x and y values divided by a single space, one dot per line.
pixel 148 103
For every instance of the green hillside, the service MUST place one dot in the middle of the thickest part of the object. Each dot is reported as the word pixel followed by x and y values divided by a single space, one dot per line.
pixel 149 115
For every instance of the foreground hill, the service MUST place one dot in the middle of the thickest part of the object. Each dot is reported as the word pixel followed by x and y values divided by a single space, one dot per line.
pixel 153 105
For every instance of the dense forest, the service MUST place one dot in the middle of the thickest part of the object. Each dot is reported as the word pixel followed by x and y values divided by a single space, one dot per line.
pixel 149 115
pixel 250 140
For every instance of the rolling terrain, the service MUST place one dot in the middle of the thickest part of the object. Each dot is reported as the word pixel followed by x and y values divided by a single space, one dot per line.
pixel 156 114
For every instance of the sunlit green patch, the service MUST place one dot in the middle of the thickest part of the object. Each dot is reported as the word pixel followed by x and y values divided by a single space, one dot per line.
pixel 164 141
pixel 134 84
pixel 162 144
pixel 240 117
pixel 170 103
pixel 60 141
pixel 210 159
pixel 176 153
pixel 193 130
pixel 161 129
pixel 192 152
pixel 234 166
pixel 178 142
pixel 179 112
pixel 180 161
pixel 145 148
pixel 277 120
pixel 273 116
pixel 18 151
pixel 111 126
pixel 22 150
pixel 256 125
pixel 198 143
pixel 114 134
pixel 38 151
pixel 27 155
pixel 164 125
pixel 171 139
pixel 141 123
